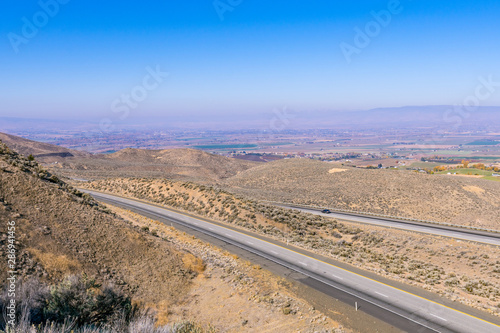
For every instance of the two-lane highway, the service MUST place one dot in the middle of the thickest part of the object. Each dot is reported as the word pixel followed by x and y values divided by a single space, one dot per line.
pixel 420 314
pixel 421 227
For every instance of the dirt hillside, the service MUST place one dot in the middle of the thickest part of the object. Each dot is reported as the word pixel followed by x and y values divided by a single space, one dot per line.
pixel 187 162
pixel 44 152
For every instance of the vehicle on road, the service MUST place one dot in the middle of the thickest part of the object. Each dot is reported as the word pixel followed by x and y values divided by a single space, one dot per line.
pixel 326 211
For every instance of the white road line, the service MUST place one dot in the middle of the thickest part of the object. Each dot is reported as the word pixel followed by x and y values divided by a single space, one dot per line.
pixel 250 243
pixel 338 277
pixel 302 263
pixel 228 235
pixel 438 317
pixel 211 228
pixel 274 252
pixel 381 294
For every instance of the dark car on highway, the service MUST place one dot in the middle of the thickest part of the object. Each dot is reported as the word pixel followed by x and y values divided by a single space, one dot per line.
pixel 326 211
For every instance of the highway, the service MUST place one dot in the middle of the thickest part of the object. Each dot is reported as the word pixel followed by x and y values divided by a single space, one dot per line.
pixel 412 313
pixel 422 227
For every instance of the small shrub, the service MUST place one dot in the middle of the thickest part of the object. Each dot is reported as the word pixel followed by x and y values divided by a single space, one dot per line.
pixel 76 301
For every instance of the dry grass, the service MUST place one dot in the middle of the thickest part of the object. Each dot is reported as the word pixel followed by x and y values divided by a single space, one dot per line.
pixel 194 264
pixel 336 170
pixel 474 189
pixel 57 266
pixel 464 201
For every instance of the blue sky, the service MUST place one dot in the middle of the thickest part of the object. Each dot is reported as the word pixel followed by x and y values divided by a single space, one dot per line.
pixel 262 55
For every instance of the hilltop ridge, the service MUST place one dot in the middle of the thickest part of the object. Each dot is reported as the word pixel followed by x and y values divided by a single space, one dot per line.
pixel 44 152
pixel 180 163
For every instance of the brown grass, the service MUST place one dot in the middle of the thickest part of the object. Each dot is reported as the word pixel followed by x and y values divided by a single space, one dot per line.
pixel 57 266
pixel 193 263
pixel 390 192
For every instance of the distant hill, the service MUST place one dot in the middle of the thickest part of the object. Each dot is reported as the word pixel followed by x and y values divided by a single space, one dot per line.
pixel 401 117
pixel 189 164
pixel 179 157
pixel 44 152
pixel 460 200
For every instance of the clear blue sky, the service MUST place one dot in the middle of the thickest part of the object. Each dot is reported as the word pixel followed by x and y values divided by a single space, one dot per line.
pixel 263 55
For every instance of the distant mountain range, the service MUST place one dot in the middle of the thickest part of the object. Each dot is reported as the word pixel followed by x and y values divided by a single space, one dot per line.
pixel 408 116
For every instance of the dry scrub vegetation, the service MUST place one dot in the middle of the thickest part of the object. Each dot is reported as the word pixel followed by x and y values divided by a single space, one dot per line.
pixel 466 272
pixel 186 164
pixel 463 201
pixel 62 232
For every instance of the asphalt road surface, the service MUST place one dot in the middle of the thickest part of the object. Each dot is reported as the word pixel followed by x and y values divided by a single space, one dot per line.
pixel 410 312
pixel 422 227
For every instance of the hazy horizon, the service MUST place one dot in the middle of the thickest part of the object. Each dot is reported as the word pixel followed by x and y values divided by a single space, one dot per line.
pixel 444 117
pixel 71 59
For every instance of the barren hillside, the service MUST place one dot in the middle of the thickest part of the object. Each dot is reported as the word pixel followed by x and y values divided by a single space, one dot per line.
pixel 184 162
pixel 44 152
pixel 187 164
pixel 465 201
pixel 63 232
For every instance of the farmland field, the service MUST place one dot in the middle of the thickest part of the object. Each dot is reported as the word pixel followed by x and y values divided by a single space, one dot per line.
pixel 483 143
pixel 236 146
pixel 470 171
